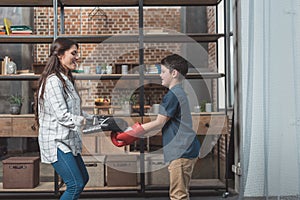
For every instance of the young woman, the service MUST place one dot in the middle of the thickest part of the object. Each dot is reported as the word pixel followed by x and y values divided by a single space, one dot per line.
pixel 59 116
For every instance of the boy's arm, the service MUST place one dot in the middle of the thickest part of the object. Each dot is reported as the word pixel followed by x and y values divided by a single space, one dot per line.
pixel 139 130
pixel 156 124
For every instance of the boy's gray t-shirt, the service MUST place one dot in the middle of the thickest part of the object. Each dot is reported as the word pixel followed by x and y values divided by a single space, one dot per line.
pixel 179 138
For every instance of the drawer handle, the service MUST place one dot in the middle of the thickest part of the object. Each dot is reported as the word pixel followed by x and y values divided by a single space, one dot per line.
pixel 33 127
pixel 91 164
pixel 207 125
pixel 17 167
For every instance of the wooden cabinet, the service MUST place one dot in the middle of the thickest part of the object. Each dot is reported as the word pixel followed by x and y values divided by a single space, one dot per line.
pixel 6 127
pixel 210 124
pixel 204 124
pixel 24 127
pixel 17 126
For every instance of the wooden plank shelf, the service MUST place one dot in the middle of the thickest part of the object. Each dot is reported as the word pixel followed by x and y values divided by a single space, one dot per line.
pixel 207 75
pixel 136 2
pixel 21 77
pixel 32 77
pixel 32 39
pixel 148 38
pixel 181 38
pixel 101 38
pixel 68 3
pixel 26 3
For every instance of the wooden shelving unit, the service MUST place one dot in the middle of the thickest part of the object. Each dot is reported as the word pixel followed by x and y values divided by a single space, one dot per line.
pixel 130 38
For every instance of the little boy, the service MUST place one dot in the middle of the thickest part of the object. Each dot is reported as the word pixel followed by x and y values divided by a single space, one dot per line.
pixel 180 144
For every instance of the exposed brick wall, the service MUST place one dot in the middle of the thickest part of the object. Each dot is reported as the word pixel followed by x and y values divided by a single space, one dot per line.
pixel 112 21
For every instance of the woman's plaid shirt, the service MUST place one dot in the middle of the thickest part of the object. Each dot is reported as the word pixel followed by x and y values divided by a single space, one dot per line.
pixel 60 119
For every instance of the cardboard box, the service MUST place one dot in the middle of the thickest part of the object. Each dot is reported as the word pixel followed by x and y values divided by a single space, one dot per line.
pixel 121 170
pixel 95 167
pixel 21 172
pixel 156 171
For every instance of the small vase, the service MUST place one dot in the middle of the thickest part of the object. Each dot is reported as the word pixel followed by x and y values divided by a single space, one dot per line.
pixel 15 109
pixel 126 107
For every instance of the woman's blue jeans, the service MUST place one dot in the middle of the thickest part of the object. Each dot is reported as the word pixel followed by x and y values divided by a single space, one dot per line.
pixel 73 172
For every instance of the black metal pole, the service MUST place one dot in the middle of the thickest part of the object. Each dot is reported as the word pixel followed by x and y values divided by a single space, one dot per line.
pixel 55 19
pixel 62 19
pixel 141 91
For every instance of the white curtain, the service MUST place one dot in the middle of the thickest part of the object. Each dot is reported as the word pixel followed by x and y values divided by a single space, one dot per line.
pixel 270 64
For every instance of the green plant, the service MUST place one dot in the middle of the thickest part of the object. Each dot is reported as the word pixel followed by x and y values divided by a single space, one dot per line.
pixel 131 99
pixel 15 99
pixel 202 105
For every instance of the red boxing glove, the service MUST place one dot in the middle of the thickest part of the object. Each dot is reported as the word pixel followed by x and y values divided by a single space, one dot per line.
pixel 132 135
pixel 114 140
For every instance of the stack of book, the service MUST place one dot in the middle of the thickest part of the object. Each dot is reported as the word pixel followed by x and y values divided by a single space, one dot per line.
pixel 16 30
pixel 2 30
pixel 21 29
pixel 153 69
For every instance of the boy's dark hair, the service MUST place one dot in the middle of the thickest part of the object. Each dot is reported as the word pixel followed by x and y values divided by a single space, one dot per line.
pixel 177 62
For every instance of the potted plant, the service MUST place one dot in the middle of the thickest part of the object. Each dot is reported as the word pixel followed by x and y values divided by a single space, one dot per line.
pixel 202 105
pixel 15 104
pixel 127 102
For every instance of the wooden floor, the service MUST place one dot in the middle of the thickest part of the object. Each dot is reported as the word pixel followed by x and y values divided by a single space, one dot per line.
pixel 49 186
pixel 42 187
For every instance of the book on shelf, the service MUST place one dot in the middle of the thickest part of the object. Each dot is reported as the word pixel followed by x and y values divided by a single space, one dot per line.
pixel 21 29
pixel 16 29
pixel 7 24
pixel 2 30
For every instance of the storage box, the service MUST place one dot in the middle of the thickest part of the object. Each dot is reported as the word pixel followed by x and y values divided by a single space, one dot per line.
pixel 21 172
pixel 95 168
pixel 106 147
pixel 89 145
pixel 121 170
pixel 156 171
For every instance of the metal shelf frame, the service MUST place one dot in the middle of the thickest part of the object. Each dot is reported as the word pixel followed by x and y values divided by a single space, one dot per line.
pixel 141 38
